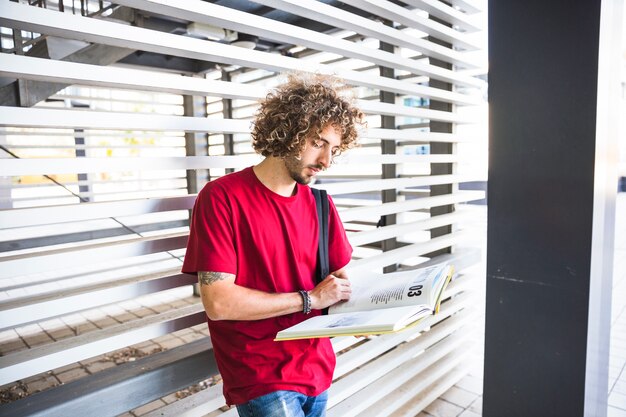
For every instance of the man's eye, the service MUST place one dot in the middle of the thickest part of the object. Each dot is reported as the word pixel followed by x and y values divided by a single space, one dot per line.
pixel 336 152
pixel 318 144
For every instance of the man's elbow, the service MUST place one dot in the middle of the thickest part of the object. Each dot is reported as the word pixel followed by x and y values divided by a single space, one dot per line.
pixel 216 301
pixel 217 311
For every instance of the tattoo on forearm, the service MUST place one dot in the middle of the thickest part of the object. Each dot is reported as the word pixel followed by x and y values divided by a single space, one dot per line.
pixel 207 278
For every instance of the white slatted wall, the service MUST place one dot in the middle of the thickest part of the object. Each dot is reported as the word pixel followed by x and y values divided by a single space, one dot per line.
pixel 96 182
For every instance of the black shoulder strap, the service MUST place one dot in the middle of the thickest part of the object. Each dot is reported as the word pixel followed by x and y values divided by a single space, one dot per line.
pixel 321 202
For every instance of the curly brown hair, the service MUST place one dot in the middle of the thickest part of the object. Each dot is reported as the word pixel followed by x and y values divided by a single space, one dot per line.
pixel 303 106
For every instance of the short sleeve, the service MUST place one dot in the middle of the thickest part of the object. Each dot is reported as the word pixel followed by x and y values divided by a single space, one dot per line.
pixel 211 243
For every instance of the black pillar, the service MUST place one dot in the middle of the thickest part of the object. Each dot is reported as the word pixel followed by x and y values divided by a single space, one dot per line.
pixel 388 147
pixel 543 311
pixel 196 143
pixel 437 148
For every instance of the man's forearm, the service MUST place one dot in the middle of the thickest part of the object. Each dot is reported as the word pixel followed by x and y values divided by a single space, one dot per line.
pixel 225 300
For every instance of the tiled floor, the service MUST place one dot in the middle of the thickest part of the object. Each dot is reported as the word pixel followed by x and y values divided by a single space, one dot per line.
pixel 462 400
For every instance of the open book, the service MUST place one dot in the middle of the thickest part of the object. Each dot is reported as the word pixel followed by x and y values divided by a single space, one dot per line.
pixel 380 303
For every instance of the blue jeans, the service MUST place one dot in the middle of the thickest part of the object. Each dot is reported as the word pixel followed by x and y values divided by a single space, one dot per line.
pixel 284 404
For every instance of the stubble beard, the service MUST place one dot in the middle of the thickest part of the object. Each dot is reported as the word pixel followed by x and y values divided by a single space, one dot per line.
pixel 295 168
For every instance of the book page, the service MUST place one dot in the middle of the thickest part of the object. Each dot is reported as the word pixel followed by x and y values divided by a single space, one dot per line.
pixel 355 323
pixel 378 291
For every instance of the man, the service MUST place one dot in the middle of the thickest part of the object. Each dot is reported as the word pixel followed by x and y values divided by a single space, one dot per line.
pixel 253 243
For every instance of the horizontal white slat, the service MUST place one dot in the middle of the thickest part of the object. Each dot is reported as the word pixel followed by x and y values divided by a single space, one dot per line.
pixel 398 255
pixel 447 14
pixel 350 158
pixel 175 185
pixel 469 6
pixel 409 385
pixel 319 11
pixel 170 138
pixel 43 358
pixel 389 184
pixel 198 404
pixel 35 216
pixel 418 135
pixel 69 286
pixel 376 107
pixel 26 310
pixel 378 210
pixel 439 387
pixel 214 14
pixel 85 254
pixel 40 69
pixel 87 119
pixel 93 30
pixel 388 232
pixel 86 165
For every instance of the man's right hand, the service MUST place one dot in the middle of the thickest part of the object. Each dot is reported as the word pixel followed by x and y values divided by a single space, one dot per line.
pixel 330 291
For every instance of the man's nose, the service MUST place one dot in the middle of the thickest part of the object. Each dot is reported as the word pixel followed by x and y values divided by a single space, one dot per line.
pixel 326 157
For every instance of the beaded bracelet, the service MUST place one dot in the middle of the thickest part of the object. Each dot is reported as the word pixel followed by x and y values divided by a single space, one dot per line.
pixel 306 301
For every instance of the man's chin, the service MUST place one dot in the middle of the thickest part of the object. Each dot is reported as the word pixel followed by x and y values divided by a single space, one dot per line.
pixel 301 179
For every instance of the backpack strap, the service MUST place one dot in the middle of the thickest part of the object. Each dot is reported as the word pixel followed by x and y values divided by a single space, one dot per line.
pixel 321 202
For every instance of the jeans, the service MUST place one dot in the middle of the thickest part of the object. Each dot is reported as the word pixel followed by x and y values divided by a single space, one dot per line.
pixel 284 404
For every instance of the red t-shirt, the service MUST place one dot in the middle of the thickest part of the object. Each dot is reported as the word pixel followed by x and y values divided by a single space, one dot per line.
pixel 269 242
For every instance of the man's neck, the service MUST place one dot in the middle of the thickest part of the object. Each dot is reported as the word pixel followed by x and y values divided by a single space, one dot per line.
pixel 274 175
